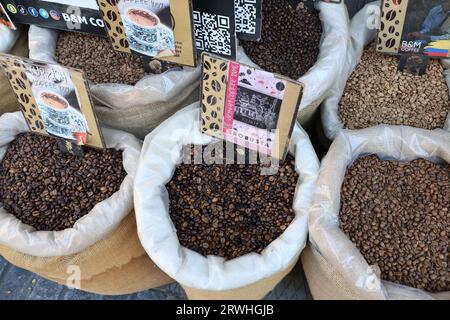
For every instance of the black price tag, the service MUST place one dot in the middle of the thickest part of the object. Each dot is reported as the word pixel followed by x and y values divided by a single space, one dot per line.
pixel 248 19
pixel 215 27
pixel 415 27
pixel 81 16
pixel 69 147
pixel 413 63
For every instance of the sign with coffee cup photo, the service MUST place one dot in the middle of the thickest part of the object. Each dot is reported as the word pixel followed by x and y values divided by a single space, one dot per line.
pixel 54 100
pixel 415 27
pixel 249 107
pixel 82 16
pixel 160 29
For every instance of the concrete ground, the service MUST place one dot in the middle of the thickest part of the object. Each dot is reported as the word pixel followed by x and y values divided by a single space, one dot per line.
pixel 19 284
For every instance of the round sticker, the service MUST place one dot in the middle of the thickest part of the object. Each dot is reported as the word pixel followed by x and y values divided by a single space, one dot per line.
pixel 33 11
pixel 43 13
pixel 11 8
pixel 55 15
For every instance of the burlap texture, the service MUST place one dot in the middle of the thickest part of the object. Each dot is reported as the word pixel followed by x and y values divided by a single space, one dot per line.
pixel 115 265
pixel 254 291
pixel 8 102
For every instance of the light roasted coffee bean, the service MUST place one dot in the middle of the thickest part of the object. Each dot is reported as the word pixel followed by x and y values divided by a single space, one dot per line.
pixel 398 215
pixel 376 93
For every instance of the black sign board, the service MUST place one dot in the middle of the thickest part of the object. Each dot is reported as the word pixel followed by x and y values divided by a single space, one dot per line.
pixel 80 16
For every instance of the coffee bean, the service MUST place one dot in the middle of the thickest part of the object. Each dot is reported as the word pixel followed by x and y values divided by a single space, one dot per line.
pixel 100 62
pixel 377 93
pixel 398 215
pixel 231 210
pixel 290 40
pixel 51 191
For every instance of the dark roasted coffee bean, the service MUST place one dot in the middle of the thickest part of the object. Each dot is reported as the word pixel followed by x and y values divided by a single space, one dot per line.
pixel 49 190
pixel 290 40
pixel 398 215
pixel 100 62
pixel 231 210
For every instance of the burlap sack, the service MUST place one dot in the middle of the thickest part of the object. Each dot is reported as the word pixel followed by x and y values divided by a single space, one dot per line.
pixel 8 102
pixel 248 277
pixel 361 36
pixel 136 109
pixel 333 49
pixel 333 265
pixel 102 245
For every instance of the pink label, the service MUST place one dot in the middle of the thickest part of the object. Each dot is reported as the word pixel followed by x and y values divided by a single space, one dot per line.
pixel 230 99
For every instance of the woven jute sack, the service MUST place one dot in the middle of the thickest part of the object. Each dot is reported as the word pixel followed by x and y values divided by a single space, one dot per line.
pixel 361 36
pixel 334 267
pixel 333 49
pixel 135 109
pixel 101 253
pixel 251 276
pixel 8 102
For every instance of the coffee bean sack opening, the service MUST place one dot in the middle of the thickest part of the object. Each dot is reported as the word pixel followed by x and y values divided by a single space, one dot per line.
pixel 103 244
pixel 334 267
pixel 136 109
pixel 8 38
pixel 250 276
pixel 361 37
pixel 333 50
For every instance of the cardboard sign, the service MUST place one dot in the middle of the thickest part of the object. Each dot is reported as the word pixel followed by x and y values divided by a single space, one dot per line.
pixel 252 108
pixel 151 28
pixel 54 100
pixel 215 27
pixel 80 16
pixel 5 19
pixel 248 15
pixel 415 27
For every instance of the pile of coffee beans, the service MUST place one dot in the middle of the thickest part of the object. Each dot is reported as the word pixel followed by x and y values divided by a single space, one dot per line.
pixel 398 215
pixel 231 210
pixel 49 190
pixel 101 63
pixel 377 93
pixel 290 42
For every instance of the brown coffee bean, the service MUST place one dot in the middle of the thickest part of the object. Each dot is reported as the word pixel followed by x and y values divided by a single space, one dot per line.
pixel 231 210
pixel 100 62
pixel 290 40
pixel 377 93
pixel 49 190
pixel 398 215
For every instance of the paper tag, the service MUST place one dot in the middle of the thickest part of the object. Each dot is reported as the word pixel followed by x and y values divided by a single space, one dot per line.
pixel 250 107
pixel 54 100
pixel 413 63
pixel 248 19
pixel 5 19
pixel 160 29
pixel 415 27
pixel 215 27
pixel 82 16
pixel 69 147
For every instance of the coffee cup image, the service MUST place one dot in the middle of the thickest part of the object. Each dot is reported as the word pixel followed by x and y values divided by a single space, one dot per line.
pixel 146 34
pixel 60 119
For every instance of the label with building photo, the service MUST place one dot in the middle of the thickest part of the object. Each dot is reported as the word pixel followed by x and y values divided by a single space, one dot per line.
pixel 250 107
pixel 415 27
pixel 54 100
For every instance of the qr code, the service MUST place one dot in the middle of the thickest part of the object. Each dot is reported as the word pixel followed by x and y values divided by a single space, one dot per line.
pixel 212 33
pixel 245 16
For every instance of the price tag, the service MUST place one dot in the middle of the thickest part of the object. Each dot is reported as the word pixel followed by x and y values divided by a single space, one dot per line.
pixel 250 107
pixel 215 27
pixel 415 27
pixel 80 16
pixel 54 100
pixel 160 29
